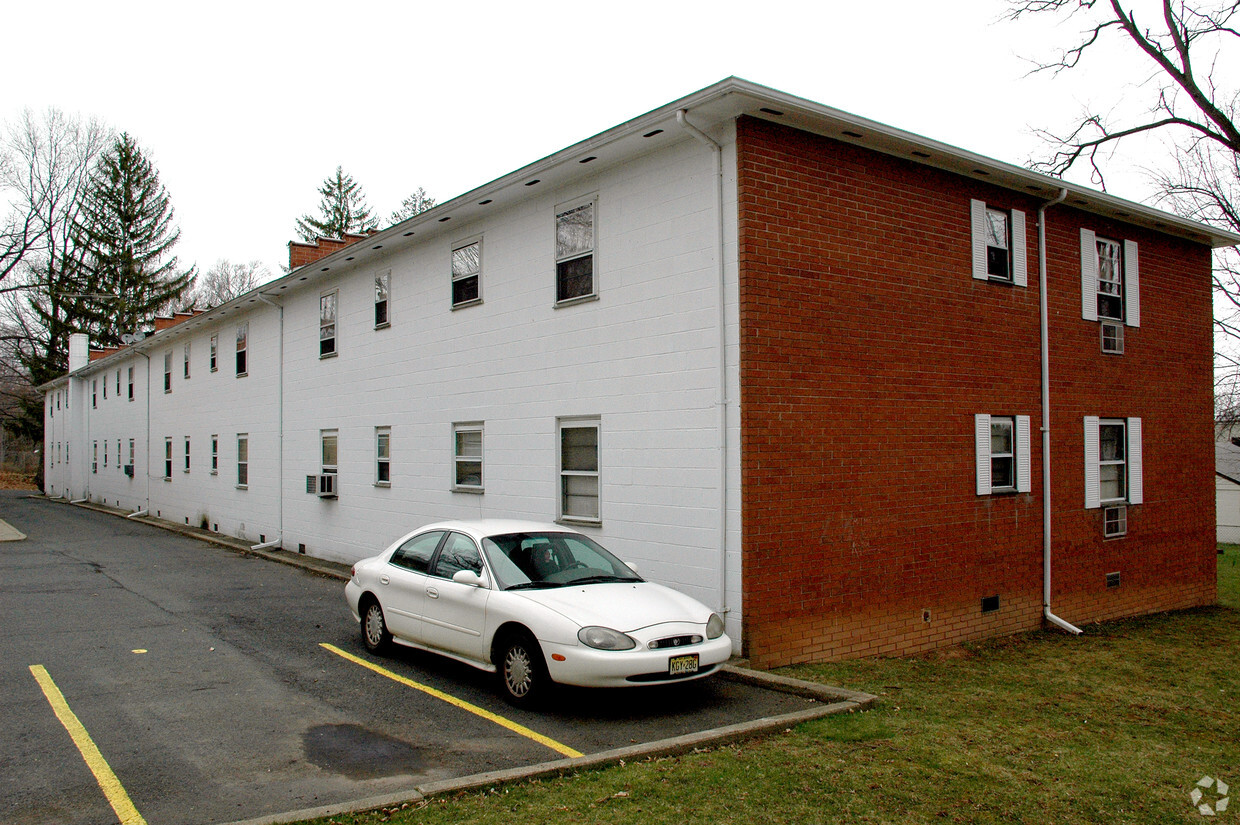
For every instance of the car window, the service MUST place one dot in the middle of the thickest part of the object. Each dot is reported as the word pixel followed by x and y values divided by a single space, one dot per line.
pixel 459 553
pixel 416 553
pixel 537 560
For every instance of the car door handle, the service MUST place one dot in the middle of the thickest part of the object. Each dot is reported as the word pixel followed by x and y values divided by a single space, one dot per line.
pixel 384 580
pixel 432 592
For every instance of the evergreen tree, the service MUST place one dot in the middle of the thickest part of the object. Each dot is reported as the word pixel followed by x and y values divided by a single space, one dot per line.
pixel 126 223
pixel 342 208
pixel 416 203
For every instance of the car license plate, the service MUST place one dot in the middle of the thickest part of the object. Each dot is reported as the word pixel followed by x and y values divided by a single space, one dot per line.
pixel 682 665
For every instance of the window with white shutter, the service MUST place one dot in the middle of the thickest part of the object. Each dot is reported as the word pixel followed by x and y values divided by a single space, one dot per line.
pixel 1110 280
pixel 1002 454
pixel 998 237
pixel 1114 472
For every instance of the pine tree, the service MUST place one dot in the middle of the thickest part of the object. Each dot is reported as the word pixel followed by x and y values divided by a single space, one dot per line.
pixel 415 204
pixel 342 208
pixel 126 223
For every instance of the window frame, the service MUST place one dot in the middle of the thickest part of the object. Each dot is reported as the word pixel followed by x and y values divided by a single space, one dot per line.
pixel 131 383
pixel 383 286
pixel 334 436
pixel 1128 274
pixel 168 458
pixel 185 367
pixel 1133 462
pixel 243 461
pixel 462 277
pixel 330 298
pixel 185 469
pixel 562 210
pixel 563 475
pixel 383 456
pixel 1021 456
pixel 168 371
pixel 213 357
pixel 460 459
pixel 243 349
pixel 215 454
pixel 94 458
pixel 94 394
pixel 1017 265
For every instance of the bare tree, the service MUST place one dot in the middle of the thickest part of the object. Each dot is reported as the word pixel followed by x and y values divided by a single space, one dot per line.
pixel 224 281
pixel 1190 94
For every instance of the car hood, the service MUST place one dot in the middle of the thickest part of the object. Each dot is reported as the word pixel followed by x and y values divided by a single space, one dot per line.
pixel 623 606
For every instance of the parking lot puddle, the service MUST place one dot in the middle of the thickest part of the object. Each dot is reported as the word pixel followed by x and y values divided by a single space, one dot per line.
pixel 360 753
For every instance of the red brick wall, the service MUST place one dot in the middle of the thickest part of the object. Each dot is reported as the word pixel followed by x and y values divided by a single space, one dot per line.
pixel 866 350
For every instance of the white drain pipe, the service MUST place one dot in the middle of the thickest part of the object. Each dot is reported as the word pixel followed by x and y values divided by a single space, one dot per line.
pixel 1046 420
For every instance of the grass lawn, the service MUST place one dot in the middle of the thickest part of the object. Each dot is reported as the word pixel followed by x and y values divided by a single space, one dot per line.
pixel 1115 726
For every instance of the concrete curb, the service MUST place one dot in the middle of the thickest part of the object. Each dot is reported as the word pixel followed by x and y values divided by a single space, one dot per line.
pixel 831 700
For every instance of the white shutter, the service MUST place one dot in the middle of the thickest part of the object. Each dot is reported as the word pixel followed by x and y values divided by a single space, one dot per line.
pixel 1089 277
pixel 1136 492
pixel 1092 482
pixel 978 221
pixel 1132 289
pixel 981 435
pixel 1022 454
pixel 1020 268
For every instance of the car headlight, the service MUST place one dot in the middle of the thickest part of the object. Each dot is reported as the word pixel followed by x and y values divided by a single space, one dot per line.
pixel 714 626
pixel 604 638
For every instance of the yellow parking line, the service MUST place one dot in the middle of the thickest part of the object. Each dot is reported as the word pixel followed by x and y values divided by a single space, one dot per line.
pixel 112 788
pixel 463 705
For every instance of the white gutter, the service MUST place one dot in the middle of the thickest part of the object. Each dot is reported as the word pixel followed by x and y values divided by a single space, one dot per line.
pixel 723 357
pixel 1046 420
pixel 280 437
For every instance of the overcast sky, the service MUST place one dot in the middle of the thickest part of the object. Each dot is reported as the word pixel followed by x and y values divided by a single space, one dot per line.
pixel 246 107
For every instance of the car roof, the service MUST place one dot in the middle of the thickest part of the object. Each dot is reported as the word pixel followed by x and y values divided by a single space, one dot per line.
pixel 481 528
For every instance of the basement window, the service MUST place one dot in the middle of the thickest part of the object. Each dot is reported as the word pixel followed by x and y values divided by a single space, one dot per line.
pixel 1115 522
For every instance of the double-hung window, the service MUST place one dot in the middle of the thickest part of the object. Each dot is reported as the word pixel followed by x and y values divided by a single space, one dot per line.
pixel 105 453
pixel 328 439
pixel 998 237
pixel 131 454
pixel 94 394
pixel 1114 470
pixel 574 253
pixel 383 456
pixel 327 324
pixel 383 291
pixel 1002 453
pixel 467 457
pixel 243 460
pixel 168 371
pixel 118 383
pixel 131 383
pixel 243 335
pixel 1110 282
pixel 215 349
pixel 186 468
pixel 215 454
pixel 185 365
pixel 466 273
pixel 168 459
pixel 579 469
pixel 94 458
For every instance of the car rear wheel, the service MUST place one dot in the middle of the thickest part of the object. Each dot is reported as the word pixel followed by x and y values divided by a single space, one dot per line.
pixel 522 671
pixel 375 634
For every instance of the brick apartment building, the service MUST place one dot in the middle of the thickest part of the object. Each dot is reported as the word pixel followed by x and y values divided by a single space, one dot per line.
pixel 783 358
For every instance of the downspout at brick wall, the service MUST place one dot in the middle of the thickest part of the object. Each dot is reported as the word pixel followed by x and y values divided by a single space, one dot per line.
pixel 723 359
pixel 1046 420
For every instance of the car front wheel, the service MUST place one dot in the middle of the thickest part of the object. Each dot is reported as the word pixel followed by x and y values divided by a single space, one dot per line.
pixel 375 634
pixel 522 671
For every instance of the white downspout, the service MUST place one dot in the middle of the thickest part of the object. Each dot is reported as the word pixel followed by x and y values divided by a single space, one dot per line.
pixel 147 510
pixel 1046 420
pixel 723 358
pixel 279 540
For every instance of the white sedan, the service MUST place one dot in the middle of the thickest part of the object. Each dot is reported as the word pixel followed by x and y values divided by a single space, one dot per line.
pixel 535 603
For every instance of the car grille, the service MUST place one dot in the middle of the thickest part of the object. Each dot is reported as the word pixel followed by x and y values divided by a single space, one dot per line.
pixel 674 641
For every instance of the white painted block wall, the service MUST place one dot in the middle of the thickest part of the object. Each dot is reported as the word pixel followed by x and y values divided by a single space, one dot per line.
pixel 644 358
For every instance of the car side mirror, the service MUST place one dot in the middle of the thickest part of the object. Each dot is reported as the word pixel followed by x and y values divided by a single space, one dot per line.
pixel 631 566
pixel 470 578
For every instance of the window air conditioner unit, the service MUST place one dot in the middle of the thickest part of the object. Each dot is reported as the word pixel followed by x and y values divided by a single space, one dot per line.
pixel 322 485
pixel 129 470
pixel 1113 338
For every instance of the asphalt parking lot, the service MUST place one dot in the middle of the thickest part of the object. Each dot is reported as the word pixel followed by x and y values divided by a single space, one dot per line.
pixel 213 686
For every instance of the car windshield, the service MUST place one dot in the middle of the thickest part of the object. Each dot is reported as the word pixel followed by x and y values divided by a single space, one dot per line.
pixel 529 561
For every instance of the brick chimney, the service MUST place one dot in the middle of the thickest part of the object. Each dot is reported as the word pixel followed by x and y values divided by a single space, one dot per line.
pixel 300 253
